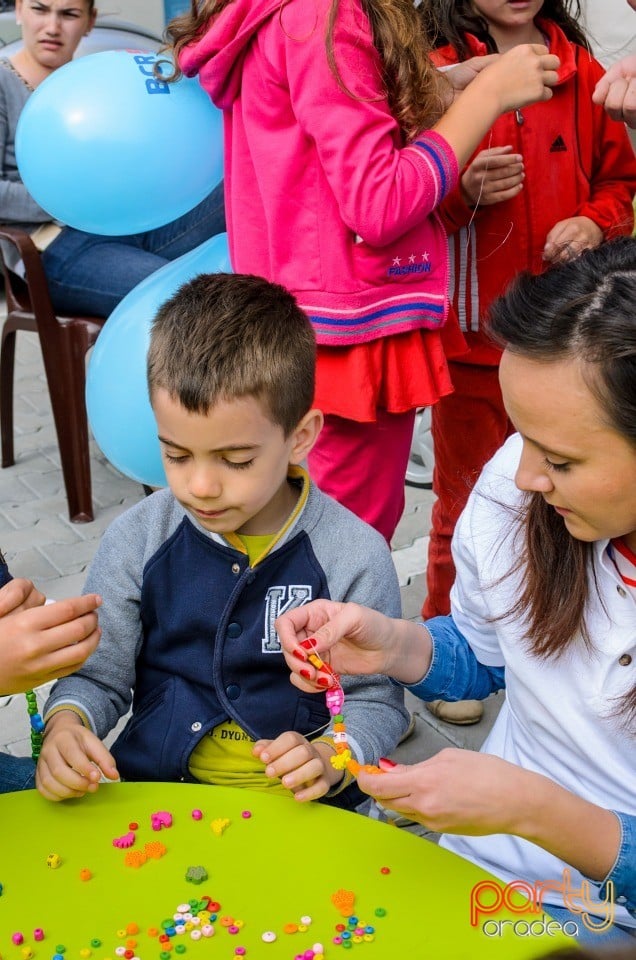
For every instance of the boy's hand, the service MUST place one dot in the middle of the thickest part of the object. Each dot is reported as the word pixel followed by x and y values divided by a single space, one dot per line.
pixel 494 175
pixel 39 643
pixel 72 759
pixel 569 238
pixel 302 767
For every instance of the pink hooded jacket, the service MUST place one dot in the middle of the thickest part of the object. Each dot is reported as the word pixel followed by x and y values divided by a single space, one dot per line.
pixel 321 196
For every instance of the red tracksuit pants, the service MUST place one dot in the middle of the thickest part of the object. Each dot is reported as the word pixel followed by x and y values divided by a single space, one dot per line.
pixel 468 427
pixel 363 465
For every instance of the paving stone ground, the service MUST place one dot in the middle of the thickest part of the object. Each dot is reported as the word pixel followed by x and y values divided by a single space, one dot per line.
pixel 41 543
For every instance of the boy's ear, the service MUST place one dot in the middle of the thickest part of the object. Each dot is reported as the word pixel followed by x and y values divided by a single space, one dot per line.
pixel 305 435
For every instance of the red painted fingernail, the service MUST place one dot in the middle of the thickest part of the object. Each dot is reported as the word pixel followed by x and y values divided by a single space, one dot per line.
pixel 385 764
pixel 306 675
pixel 309 643
pixel 323 682
pixel 300 655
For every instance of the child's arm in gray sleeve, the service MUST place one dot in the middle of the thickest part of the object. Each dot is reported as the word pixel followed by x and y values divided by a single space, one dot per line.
pixel 101 691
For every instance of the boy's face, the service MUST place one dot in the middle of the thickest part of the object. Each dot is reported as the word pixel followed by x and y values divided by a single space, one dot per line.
pixel 228 467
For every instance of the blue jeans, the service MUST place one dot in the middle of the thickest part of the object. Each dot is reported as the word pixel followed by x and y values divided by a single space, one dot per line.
pixel 91 274
pixel 614 937
pixel 16 773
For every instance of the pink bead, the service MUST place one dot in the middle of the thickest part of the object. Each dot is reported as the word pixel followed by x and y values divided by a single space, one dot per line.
pixel 197 814
pixel 17 938
pixel 160 819
pixel 240 951
pixel 246 814
pixel 38 934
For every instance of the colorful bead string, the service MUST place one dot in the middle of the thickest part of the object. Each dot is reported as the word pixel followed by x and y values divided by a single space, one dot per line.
pixel 344 759
pixel 37 725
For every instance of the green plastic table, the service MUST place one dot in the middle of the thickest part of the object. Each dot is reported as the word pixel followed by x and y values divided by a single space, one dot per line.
pixel 276 864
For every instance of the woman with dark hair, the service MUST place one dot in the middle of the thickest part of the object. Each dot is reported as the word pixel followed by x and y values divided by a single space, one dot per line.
pixel 544 604
pixel 545 183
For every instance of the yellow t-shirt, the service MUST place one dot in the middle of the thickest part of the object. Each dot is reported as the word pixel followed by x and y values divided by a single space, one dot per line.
pixel 224 756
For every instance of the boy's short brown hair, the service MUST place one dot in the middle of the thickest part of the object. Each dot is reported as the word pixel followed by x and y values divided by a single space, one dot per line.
pixel 223 336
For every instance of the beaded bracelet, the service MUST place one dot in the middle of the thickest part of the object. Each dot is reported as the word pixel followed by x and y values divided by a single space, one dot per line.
pixel 344 759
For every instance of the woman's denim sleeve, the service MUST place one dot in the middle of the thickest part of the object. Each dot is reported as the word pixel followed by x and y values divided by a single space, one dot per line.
pixel 455 672
pixel 623 873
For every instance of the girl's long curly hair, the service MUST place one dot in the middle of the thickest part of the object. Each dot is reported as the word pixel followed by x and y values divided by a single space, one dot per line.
pixel 414 89
pixel 448 22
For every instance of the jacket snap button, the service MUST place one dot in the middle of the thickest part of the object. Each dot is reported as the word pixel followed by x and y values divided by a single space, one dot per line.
pixel 195 726
pixel 233 691
pixel 622 592
pixel 234 630
pixel 236 568
pixel 625 660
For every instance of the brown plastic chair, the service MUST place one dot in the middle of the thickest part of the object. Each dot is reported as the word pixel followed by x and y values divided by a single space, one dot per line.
pixel 64 342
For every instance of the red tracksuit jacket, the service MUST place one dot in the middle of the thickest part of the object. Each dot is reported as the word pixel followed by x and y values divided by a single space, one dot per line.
pixel 578 162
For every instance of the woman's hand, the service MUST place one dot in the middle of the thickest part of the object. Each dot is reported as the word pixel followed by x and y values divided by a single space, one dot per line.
pixel 302 766
pixel 39 643
pixel 475 794
pixel 357 639
pixel 456 791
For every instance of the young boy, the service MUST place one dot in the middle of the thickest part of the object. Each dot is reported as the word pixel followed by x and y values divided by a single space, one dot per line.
pixel 194 577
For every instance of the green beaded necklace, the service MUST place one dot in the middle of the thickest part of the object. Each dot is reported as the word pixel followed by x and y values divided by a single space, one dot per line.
pixel 37 725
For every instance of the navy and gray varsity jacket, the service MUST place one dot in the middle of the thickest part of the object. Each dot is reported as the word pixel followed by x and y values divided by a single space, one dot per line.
pixel 188 633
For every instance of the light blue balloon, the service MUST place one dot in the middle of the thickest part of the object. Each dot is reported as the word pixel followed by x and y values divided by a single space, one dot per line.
pixel 105 147
pixel 117 402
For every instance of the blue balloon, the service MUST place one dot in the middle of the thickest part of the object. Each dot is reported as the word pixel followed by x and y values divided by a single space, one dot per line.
pixel 105 147
pixel 117 402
